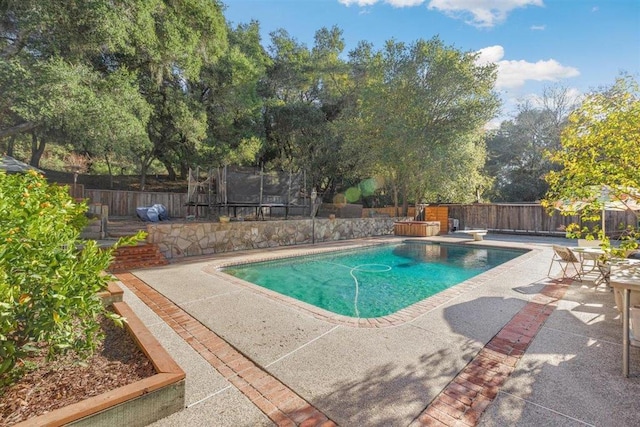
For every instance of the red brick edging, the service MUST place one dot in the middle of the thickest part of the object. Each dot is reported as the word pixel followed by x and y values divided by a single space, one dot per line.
pixel 281 404
pixel 461 403
pixel 465 398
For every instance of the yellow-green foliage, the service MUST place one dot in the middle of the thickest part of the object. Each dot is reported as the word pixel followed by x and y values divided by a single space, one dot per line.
pixel 49 279
pixel 599 147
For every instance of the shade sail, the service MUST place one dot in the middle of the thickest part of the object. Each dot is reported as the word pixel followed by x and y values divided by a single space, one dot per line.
pixel 607 198
pixel 11 165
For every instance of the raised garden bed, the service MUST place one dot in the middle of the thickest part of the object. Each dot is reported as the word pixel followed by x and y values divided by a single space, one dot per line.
pixel 137 404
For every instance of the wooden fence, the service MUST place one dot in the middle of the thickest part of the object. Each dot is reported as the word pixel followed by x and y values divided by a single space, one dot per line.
pixel 529 218
pixel 124 203
pixel 387 211
pixel 508 218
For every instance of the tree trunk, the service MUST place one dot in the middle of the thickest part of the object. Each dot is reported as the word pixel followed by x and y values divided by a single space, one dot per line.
pixel 144 166
pixel 37 149
pixel 395 199
pixel 405 200
pixel 10 146
pixel 106 159
pixel 143 177
pixel 184 171
pixel 171 172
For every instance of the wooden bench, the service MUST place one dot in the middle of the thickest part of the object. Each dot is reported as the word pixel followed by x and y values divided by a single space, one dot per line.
pixel 477 234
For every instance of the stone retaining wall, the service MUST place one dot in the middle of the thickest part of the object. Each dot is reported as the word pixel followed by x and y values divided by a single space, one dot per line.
pixel 177 240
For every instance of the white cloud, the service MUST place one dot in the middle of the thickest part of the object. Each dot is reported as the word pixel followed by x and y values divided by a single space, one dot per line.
pixel 404 3
pixel 494 124
pixel 358 2
pixel 513 76
pixel 538 27
pixel 575 95
pixel 394 3
pixel 481 13
pixel 490 54
pixel 515 73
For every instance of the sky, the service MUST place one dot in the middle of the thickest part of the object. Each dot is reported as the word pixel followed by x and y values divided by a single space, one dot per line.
pixel 580 45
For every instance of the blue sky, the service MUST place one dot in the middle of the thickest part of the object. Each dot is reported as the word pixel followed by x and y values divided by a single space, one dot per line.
pixel 577 44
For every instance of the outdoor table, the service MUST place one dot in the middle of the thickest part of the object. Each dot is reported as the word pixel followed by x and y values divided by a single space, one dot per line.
pixel 593 255
pixel 625 276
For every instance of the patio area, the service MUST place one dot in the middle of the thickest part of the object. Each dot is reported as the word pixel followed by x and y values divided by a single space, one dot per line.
pixel 279 363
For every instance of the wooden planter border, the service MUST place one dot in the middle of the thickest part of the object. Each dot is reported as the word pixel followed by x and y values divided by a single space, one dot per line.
pixel 169 375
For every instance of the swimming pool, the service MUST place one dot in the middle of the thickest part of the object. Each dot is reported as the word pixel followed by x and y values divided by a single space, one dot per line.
pixel 373 281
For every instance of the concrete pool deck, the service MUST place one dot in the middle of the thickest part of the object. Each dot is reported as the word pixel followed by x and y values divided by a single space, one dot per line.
pixel 510 348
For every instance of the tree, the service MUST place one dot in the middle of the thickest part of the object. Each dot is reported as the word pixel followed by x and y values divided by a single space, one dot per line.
pixel 516 156
pixel 48 286
pixel 171 44
pixel 420 106
pixel 49 46
pixel 114 134
pixel 69 54
pixel 304 92
pixel 600 146
pixel 229 91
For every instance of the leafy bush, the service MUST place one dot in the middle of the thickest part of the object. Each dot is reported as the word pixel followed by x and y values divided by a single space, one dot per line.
pixel 49 278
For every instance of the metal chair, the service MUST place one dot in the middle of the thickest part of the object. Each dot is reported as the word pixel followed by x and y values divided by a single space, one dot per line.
pixel 565 257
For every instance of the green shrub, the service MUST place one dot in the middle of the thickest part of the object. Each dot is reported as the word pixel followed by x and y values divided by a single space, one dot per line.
pixel 49 278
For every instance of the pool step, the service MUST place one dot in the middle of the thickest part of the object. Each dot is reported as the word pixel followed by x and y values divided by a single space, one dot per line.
pixel 133 257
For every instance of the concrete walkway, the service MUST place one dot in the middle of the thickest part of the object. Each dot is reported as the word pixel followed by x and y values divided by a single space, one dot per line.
pixel 509 347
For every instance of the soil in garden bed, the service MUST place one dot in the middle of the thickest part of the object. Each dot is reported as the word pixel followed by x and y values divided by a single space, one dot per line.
pixel 117 362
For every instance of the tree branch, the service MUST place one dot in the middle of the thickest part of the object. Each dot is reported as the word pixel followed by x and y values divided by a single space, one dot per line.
pixel 14 130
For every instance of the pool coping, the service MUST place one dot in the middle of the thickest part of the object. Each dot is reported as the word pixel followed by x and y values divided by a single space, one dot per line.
pixel 398 318
pixel 480 387
pixel 276 400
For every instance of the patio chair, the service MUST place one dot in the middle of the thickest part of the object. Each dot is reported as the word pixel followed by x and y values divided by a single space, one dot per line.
pixel 565 257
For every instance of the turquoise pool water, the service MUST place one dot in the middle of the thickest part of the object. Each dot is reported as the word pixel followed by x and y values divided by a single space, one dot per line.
pixel 374 281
